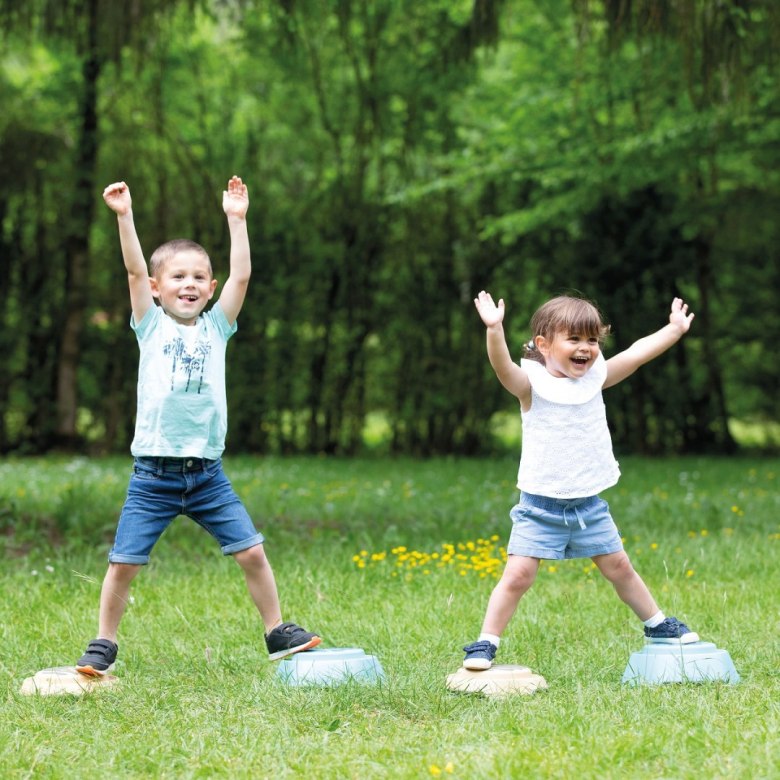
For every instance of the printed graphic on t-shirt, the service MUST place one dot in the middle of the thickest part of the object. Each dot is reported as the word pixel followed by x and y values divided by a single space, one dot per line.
pixel 191 363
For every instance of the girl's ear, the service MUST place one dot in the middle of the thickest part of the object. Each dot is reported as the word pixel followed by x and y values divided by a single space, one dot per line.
pixel 542 344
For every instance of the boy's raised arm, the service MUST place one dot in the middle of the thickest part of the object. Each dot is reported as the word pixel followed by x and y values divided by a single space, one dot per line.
pixel 511 376
pixel 235 202
pixel 645 349
pixel 117 198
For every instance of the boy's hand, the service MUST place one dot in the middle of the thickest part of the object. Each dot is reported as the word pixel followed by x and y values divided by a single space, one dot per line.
pixel 490 313
pixel 680 317
pixel 117 197
pixel 235 199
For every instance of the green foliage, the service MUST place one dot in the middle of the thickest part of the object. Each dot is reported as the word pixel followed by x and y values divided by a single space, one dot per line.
pixel 401 156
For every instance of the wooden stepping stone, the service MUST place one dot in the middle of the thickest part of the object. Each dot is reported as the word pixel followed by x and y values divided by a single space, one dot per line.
pixel 62 680
pixel 499 680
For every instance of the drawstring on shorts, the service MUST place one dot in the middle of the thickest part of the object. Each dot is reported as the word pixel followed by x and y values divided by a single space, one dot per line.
pixel 580 521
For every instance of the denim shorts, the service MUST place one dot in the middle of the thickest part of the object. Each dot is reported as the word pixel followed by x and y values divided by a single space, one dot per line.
pixel 162 488
pixel 555 528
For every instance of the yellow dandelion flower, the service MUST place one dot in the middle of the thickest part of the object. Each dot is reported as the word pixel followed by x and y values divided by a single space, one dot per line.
pixel 689 573
pixel 434 770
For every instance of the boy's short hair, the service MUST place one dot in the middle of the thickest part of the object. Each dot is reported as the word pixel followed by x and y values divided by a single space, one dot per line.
pixel 166 251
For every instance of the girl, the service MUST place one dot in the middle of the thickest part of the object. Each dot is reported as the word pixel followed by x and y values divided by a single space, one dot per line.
pixel 567 458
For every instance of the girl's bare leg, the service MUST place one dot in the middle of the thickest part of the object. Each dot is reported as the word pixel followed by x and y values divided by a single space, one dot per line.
pixel 617 568
pixel 519 574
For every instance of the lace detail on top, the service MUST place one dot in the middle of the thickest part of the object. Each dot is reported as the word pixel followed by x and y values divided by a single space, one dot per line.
pixel 567 449
pixel 563 390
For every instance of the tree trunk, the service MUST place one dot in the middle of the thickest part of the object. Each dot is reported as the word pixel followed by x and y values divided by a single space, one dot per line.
pixel 77 244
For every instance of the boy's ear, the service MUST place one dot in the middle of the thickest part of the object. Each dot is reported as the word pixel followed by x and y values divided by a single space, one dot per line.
pixel 213 288
pixel 155 287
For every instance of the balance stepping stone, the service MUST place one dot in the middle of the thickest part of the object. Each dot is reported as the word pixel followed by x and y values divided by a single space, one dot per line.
pixel 499 680
pixel 65 680
pixel 330 666
pixel 697 662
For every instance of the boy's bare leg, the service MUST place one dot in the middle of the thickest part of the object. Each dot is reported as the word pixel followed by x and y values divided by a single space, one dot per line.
pixel 519 574
pixel 114 596
pixel 261 584
pixel 617 568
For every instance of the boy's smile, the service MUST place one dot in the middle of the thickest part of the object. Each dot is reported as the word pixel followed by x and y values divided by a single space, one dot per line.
pixel 569 355
pixel 184 286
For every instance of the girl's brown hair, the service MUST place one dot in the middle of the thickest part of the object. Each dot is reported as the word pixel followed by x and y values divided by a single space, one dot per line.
pixel 565 314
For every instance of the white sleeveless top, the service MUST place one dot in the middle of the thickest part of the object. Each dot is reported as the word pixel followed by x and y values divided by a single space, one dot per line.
pixel 567 449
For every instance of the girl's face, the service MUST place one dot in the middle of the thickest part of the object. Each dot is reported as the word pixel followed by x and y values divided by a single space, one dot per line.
pixel 184 286
pixel 568 354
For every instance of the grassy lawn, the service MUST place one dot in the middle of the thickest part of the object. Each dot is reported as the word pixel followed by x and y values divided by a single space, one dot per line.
pixel 397 557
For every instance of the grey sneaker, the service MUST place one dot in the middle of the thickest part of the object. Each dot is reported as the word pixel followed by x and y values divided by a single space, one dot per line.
pixel 287 639
pixel 479 655
pixel 671 632
pixel 98 659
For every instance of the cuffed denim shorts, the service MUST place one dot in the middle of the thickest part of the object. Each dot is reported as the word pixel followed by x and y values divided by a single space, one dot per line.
pixel 555 528
pixel 162 488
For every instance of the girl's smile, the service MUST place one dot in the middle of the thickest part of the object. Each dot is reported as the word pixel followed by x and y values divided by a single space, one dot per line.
pixel 569 354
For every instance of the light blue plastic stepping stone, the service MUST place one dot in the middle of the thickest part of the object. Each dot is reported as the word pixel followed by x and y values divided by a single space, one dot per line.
pixel 697 662
pixel 330 666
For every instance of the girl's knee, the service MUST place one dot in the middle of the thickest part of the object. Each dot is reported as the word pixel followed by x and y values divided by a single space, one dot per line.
pixel 616 566
pixel 519 575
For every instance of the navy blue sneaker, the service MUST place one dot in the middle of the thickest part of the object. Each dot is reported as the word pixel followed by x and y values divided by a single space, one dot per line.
pixel 671 632
pixel 287 639
pixel 479 655
pixel 98 658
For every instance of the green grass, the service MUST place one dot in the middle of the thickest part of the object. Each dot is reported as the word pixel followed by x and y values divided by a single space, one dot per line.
pixel 199 699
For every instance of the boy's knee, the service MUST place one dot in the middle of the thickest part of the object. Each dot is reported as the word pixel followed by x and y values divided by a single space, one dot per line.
pixel 123 571
pixel 251 558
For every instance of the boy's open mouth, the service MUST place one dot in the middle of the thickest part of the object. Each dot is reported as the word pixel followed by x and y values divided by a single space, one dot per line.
pixel 190 298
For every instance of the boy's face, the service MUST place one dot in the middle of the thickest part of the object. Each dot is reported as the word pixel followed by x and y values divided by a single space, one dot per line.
pixel 184 286
pixel 568 354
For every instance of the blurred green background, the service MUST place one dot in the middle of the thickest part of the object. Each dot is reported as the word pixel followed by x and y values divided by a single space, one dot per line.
pixel 401 156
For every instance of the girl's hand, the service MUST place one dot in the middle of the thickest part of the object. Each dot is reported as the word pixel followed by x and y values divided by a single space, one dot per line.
pixel 679 316
pixel 117 197
pixel 235 199
pixel 490 313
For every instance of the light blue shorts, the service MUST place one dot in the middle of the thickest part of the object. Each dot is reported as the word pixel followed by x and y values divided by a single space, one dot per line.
pixel 556 528
pixel 161 489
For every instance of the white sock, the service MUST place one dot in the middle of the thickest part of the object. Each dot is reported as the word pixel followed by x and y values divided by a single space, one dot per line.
pixel 656 620
pixel 492 638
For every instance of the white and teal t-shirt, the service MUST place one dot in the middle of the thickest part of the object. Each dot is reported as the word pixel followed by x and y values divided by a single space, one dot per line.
pixel 182 403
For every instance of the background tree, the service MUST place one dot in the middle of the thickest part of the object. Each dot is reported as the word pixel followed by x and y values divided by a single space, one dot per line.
pixel 401 156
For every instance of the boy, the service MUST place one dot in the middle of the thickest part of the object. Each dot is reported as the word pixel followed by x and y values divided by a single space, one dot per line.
pixel 181 422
